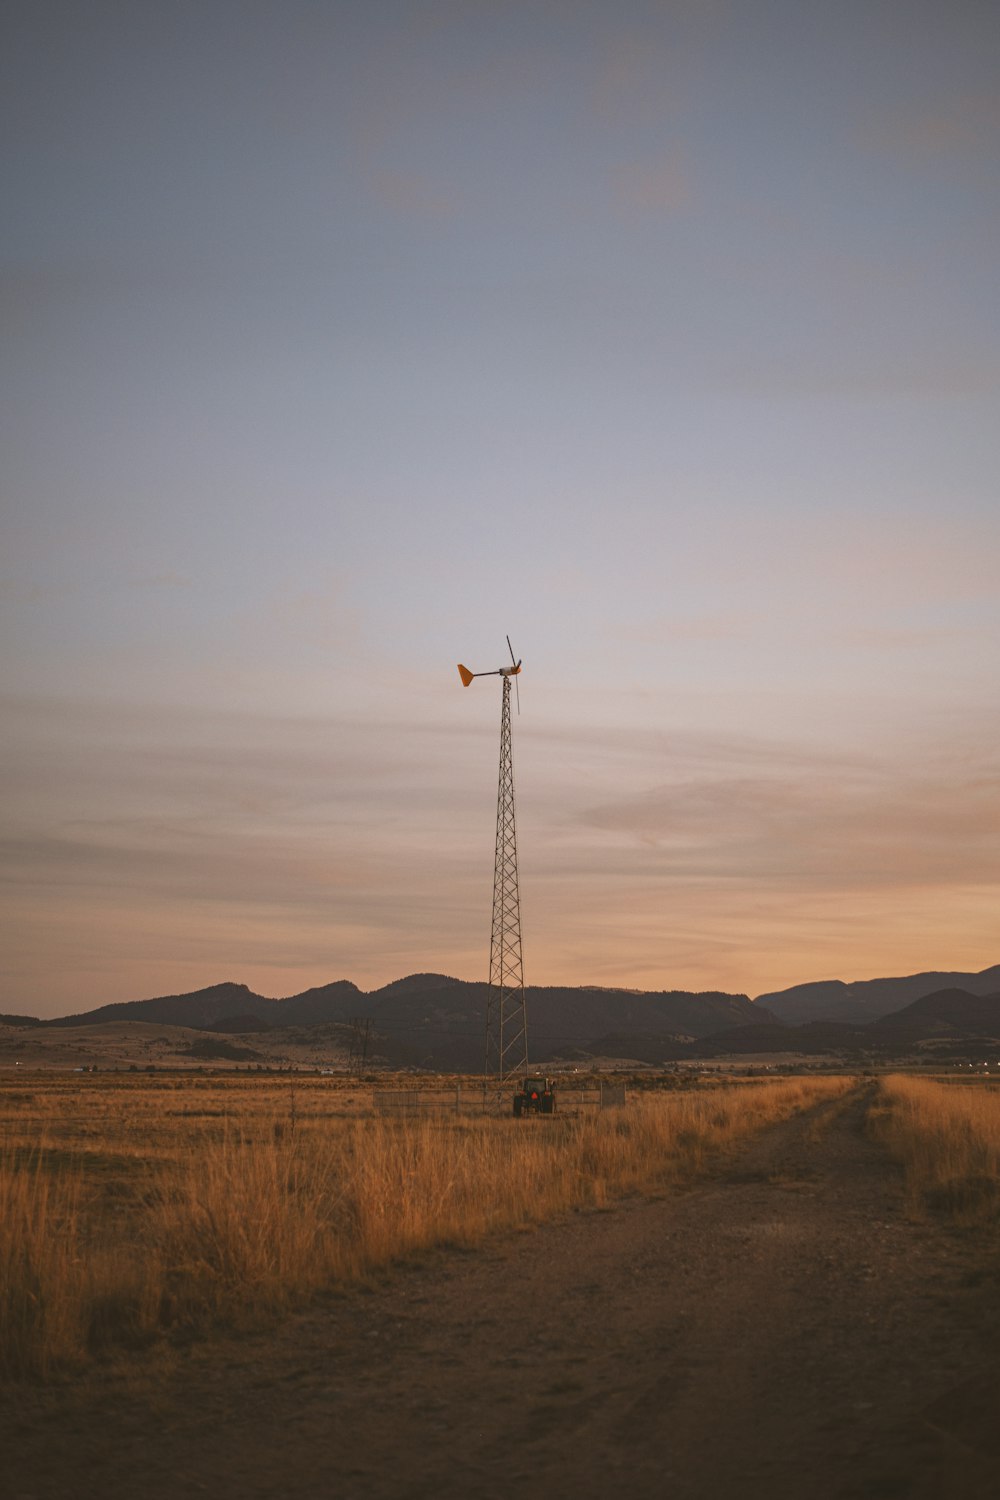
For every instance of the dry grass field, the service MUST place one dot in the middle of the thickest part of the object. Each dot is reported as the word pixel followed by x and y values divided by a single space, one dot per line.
pixel 947 1137
pixel 719 1289
pixel 132 1205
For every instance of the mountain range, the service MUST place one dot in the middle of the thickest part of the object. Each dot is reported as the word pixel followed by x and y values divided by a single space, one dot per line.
pixel 949 1022
pixel 432 1020
pixel 862 1001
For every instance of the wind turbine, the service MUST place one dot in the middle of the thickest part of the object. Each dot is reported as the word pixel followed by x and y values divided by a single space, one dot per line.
pixel 514 670
pixel 506 1021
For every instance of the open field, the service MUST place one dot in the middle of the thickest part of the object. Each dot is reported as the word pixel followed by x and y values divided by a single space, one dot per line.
pixel 134 1206
pixel 947 1137
pixel 770 1310
pixel 150 1044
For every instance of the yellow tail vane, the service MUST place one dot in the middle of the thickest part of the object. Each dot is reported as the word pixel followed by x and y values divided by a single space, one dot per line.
pixel 465 674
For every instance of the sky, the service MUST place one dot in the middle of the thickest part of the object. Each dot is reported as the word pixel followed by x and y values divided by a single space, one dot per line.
pixel 341 340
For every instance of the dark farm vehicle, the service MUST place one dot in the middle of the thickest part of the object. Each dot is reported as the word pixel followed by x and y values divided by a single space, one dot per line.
pixel 536 1096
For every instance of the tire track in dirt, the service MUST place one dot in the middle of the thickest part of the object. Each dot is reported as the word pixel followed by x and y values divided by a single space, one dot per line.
pixel 778 1330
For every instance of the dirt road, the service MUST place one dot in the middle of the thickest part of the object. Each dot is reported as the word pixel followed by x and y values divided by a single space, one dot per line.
pixel 781 1330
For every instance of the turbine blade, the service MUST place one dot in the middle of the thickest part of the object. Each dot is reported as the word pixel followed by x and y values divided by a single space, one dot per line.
pixel 510 648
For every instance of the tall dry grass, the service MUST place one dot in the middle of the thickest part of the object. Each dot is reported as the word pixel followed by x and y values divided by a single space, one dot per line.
pixel 947 1137
pixel 249 1214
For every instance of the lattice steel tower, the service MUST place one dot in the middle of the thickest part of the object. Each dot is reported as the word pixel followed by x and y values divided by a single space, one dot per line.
pixel 506 1020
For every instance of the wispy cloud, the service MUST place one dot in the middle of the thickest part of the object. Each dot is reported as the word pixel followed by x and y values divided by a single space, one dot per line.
pixel 823 831
pixel 297 850
pixel 414 195
pixel 936 132
pixel 660 186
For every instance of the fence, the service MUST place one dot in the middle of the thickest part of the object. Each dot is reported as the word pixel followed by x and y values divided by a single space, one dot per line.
pixel 468 1100
pixel 398 1102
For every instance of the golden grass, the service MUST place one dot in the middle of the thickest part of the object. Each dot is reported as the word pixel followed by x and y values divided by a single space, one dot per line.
pixel 128 1210
pixel 947 1138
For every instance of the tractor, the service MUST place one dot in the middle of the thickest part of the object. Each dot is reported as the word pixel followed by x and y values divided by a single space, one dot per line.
pixel 536 1096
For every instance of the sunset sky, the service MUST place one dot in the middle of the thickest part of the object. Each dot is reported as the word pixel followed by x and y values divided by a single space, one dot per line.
pixel 341 339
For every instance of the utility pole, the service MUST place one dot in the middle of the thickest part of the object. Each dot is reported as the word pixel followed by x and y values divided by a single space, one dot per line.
pixel 360 1031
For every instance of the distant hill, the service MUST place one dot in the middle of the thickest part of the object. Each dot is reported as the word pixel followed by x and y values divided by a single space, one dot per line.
pixel 867 1000
pixel 816 1037
pixel 221 1002
pixel 210 1049
pixel 241 1025
pixel 947 1016
pixel 957 1008
pixel 435 1021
